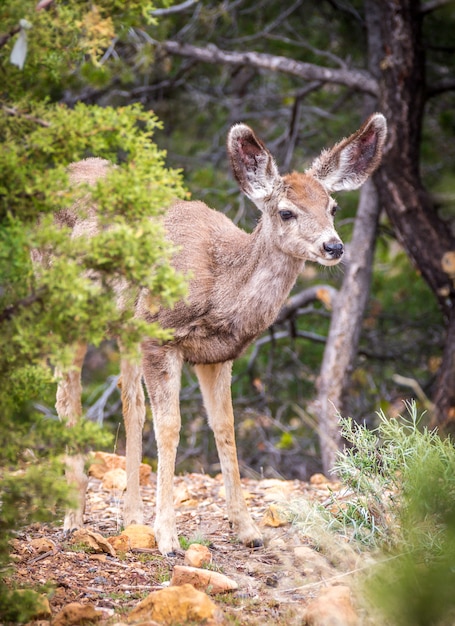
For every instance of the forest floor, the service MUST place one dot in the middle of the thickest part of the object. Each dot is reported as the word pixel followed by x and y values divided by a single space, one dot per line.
pixel 276 583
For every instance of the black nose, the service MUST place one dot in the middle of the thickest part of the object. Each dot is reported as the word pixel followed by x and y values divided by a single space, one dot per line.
pixel 335 249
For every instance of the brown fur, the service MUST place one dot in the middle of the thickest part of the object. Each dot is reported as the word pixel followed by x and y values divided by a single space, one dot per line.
pixel 239 282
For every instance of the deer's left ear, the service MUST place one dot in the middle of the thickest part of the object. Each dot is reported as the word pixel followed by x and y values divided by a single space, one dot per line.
pixel 349 163
pixel 252 164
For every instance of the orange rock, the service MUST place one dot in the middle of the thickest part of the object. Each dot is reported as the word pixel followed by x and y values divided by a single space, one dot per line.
pixel 333 607
pixel 115 479
pixel 76 613
pixel 203 579
pixel 93 541
pixel 42 609
pixel 177 605
pixel 140 536
pixel 41 545
pixel 104 461
pixel 274 517
pixel 197 555
pixel 319 479
pixel 120 543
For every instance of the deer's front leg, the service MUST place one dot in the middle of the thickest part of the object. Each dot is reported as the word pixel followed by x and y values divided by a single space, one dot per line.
pixel 133 405
pixel 162 373
pixel 215 383
pixel 69 407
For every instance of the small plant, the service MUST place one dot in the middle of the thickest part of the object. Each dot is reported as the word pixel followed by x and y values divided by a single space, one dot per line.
pixel 186 542
pixel 399 500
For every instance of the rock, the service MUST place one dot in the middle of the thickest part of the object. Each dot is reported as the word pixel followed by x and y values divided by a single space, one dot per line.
pixel 104 461
pixel 42 545
pixel 140 536
pixel 197 555
pixel 177 605
pixel 274 517
pixel 203 579
pixel 120 543
pixel 311 562
pixel 92 540
pixel 76 613
pixel 115 479
pixel 42 608
pixel 277 544
pixel 333 607
pixel 319 479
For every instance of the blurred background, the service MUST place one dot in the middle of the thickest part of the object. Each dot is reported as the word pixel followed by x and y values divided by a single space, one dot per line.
pixel 366 335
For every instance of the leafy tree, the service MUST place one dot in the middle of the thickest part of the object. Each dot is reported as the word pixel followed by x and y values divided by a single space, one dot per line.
pixel 301 71
pixel 45 309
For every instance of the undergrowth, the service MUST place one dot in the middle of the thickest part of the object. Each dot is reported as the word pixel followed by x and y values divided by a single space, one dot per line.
pixel 398 504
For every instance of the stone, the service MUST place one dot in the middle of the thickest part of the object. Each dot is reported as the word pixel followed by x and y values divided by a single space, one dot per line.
pixel 104 461
pixel 312 563
pixel 333 607
pixel 140 536
pixel 274 517
pixel 76 613
pixel 42 608
pixel 115 479
pixel 177 605
pixel 197 555
pixel 120 543
pixel 42 545
pixel 92 540
pixel 203 579
pixel 319 479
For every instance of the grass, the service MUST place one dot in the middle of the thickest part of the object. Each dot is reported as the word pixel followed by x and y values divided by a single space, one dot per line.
pixel 186 542
pixel 398 503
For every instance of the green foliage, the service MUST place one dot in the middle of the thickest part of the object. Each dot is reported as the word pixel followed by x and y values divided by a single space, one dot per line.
pixel 186 542
pixel 64 38
pixel 399 502
pixel 72 294
pixel 19 605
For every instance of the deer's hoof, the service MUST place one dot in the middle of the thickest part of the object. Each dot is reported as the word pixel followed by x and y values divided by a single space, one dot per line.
pixel 255 543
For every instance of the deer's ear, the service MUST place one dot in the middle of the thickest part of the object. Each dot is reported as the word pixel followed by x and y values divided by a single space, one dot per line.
pixel 349 163
pixel 252 164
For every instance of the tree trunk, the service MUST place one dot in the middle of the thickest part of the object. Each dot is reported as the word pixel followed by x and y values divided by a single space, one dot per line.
pixel 424 236
pixel 345 327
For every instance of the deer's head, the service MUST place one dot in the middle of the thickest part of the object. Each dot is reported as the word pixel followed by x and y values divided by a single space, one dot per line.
pixel 297 208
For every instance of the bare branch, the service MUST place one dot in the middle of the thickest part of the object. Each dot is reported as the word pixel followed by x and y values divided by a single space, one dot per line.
pixel 357 79
pixel 324 293
pixel 178 8
pixel 432 5
pixel 11 310
pixel 442 86
pixel 32 118
pixel 7 36
pixel 263 33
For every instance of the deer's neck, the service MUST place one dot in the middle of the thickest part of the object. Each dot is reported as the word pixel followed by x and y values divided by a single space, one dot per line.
pixel 260 279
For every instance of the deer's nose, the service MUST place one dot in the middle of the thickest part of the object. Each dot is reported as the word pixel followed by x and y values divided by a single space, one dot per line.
pixel 334 248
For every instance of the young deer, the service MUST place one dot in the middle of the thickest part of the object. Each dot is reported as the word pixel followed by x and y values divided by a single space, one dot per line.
pixel 240 281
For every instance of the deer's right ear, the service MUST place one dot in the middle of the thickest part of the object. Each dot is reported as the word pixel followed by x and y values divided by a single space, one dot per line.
pixel 349 163
pixel 253 165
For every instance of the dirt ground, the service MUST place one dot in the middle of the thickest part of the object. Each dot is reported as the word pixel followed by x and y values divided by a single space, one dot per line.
pixel 275 582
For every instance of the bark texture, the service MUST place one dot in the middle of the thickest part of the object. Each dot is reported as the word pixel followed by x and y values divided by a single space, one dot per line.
pixel 345 327
pixel 425 237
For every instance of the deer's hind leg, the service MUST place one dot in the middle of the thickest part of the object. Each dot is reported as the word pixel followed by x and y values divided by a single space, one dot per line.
pixel 133 406
pixel 215 383
pixel 162 372
pixel 69 407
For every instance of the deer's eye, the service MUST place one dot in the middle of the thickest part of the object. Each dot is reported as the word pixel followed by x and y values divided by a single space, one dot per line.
pixel 334 209
pixel 286 215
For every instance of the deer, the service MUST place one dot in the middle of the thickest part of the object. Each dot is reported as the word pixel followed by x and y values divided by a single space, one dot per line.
pixel 239 281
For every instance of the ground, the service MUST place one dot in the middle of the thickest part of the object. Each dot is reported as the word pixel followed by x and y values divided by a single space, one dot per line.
pixel 276 582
